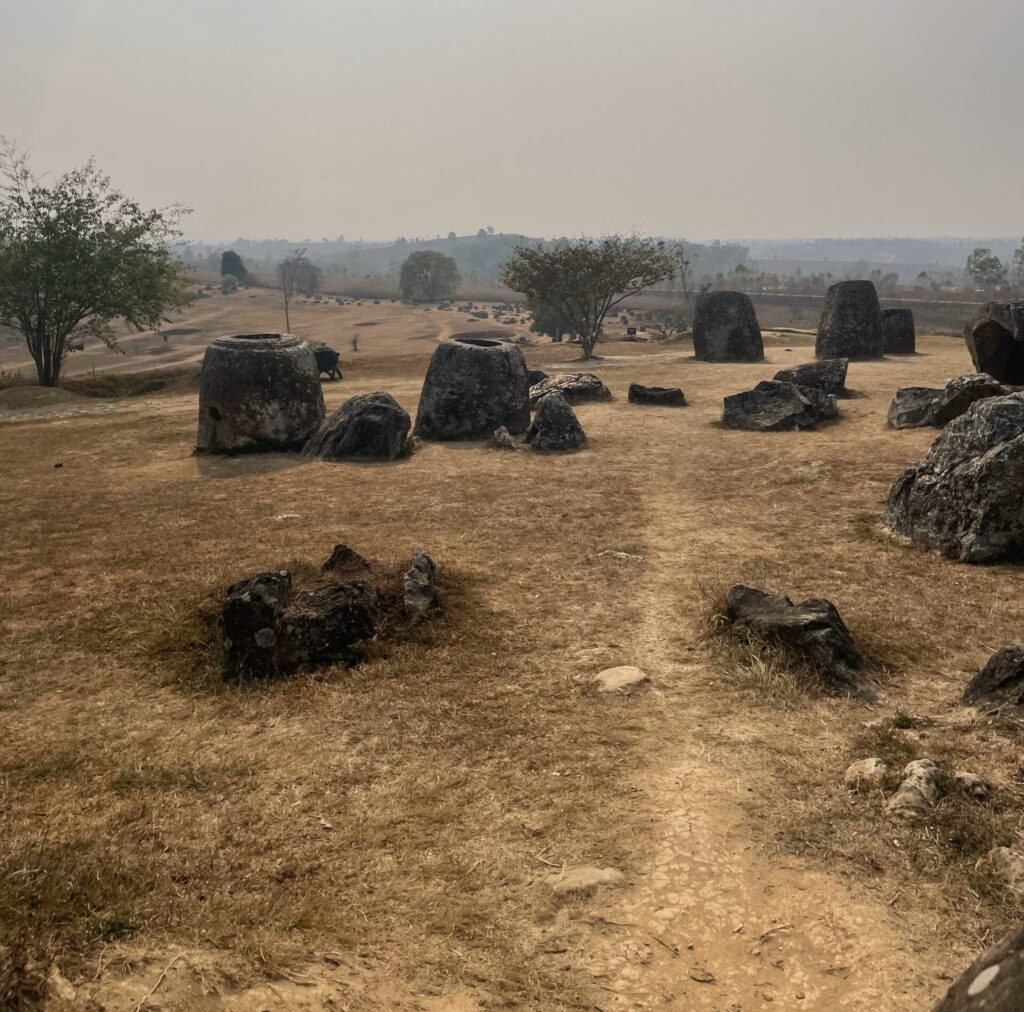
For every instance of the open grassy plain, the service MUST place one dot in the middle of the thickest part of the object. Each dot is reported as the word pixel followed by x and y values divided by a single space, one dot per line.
pixel 386 837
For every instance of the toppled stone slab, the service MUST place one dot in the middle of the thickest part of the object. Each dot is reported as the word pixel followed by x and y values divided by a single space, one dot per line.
pixel 1000 683
pixel 995 340
pixel 899 336
pixel 621 679
pixel 992 983
pixel 252 620
pixel 575 387
pixel 502 439
pixel 918 407
pixel 773 406
pixel 964 497
pixel 420 585
pixel 325 625
pixel 367 427
pixel 671 397
pixel 827 375
pixel 555 427
pixel 917 793
pixel 725 328
pixel 865 773
pixel 584 880
pixel 813 630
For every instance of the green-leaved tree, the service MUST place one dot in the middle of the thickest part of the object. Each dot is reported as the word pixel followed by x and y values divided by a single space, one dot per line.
pixel 427 276
pixel 231 264
pixel 76 256
pixel 986 270
pixel 582 279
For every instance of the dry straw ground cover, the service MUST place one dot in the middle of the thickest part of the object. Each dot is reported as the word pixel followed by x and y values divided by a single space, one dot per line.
pixel 385 836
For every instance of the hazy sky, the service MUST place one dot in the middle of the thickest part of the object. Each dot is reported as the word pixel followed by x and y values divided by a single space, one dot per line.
pixel 374 118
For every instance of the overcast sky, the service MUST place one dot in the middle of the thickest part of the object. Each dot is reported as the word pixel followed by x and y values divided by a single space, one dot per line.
pixel 375 118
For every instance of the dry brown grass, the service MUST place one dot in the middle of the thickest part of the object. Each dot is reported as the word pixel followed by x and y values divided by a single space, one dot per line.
pixel 404 810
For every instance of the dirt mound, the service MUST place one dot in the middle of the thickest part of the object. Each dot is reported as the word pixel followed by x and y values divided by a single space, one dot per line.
pixel 21 397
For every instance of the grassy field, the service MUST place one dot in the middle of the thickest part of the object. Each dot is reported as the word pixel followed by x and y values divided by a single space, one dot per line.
pixel 387 836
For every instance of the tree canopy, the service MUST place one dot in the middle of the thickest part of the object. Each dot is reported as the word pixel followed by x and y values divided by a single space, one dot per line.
pixel 427 276
pixel 231 264
pixel 986 270
pixel 582 279
pixel 78 255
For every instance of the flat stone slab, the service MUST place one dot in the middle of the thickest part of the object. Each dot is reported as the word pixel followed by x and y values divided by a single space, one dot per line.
pixel 620 679
pixel 584 879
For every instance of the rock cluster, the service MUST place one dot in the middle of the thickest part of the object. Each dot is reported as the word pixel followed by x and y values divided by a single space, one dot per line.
pixel 851 322
pixel 995 339
pixel 575 387
pixel 258 392
pixel 367 427
pixel 271 627
pixel 812 630
pixel 919 407
pixel 773 406
pixel 473 385
pixel 725 328
pixel 964 498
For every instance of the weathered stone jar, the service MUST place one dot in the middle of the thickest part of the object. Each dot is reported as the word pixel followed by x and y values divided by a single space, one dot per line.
pixel 851 323
pixel 258 392
pixel 474 385
pixel 725 329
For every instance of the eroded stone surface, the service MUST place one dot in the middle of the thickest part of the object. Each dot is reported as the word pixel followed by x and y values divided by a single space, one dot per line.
pixel 575 387
pixel 995 340
pixel 918 791
pixel 725 328
pixel 367 427
pixel 620 679
pixel 555 427
pixel 851 322
pixel 865 773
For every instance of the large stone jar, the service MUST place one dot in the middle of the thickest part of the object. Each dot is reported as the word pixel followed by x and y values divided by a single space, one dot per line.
pixel 258 392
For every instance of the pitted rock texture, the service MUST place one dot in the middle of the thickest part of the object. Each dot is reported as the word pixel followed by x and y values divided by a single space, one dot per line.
pixel 851 322
pixel 725 328
pixel 368 427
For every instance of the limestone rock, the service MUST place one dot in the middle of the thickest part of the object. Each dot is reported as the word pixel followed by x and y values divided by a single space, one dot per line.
pixel 973 785
pixel 420 584
pixel 258 392
pixel 555 427
pixel 584 880
pixel 964 496
pixel 662 396
pixel 575 387
pixel 898 334
pixel 995 340
pixel 851 322
pixel 916 407
pixel 725 328
pixel 473 385
pixel 776 407
pixel 502 439
pixel 827 375
pixel 368 427
pixel 992 983
pixel 620 679
pixel 1000 683
pixel 1008 865
pixel 812 629
pixel 865 773
pixel 917 793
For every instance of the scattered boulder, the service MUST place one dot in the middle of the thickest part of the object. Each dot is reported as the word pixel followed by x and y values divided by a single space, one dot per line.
pixel 775 407
pixel 994 982
pixel 827 375
pixel 917 793
pixel 865 773
pixel 1008 865
pixel 1000 683
pixel 972 785
pixel 258 392
pixel 671 397
pixel 473 385
pixel 367 427
pixel 326 624
pixel 964 496
pixel 725 328
pixel 502 439
pixel 420 585
pixel 575 387
pixel 345 560
pixel 851 322
pixel 917 407
pixel 555 427
pixel 621 679
pixel 898 334
pixel 251 620
pixel 995 340
pixel 583 880
pixel 812 630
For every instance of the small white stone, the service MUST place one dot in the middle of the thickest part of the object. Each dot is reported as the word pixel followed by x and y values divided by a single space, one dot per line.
pixel 584 879
pixel 865 773
pixel 983 980
pixel 621 679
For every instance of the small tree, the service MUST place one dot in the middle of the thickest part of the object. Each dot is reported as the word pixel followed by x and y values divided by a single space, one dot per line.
pixel 297 274
pixel 427 276
pixel 582 279
pixel 1017 267
pixel 228 284
pixel 231 265
pixel 76 256
pixel 549 321
pixel 986 270
pixel 668 324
